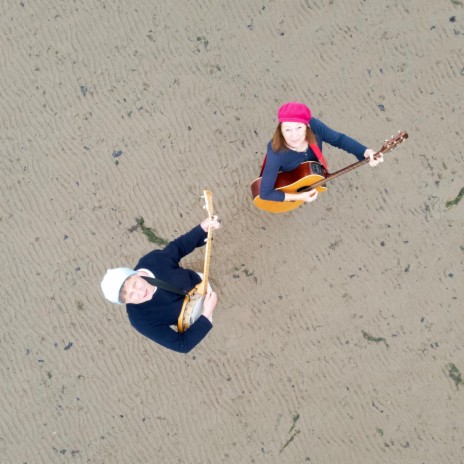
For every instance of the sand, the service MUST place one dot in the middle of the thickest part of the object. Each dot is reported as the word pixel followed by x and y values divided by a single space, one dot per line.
pixel 338 333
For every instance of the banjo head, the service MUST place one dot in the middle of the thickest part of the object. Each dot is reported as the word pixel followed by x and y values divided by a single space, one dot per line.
pixel 193 309
pixel 197 309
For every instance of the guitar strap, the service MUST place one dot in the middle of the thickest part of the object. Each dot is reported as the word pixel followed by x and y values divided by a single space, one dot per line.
pixel 164 285
pixel 314 147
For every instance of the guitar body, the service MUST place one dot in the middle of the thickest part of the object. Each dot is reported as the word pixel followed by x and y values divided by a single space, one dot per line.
pixel 301 178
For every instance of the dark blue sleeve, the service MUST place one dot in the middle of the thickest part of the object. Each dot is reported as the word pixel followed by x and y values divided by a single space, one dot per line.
pixel 185 244
pixel 269 176
pixel 165 336
pixel 336 139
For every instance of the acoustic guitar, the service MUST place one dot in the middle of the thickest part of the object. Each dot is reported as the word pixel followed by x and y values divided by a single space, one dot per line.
pixel 310 175
pixel 192 307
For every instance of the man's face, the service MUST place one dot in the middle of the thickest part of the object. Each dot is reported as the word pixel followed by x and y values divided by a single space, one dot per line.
pixel 137 290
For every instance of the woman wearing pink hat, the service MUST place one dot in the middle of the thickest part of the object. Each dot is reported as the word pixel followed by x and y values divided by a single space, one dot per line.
pixel 299 138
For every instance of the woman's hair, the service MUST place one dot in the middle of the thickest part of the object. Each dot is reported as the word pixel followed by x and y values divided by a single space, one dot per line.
pixel 278 141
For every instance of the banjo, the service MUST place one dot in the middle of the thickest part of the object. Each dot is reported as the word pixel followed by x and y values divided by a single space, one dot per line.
pixel 192 307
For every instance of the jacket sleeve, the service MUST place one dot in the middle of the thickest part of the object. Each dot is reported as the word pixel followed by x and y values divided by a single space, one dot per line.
pixel 167 337
pixel 337 139
pixel 269 177
pixel 185 244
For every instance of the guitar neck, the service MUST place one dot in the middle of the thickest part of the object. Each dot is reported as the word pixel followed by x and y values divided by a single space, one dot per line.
pixel 386 147
pixel 346 169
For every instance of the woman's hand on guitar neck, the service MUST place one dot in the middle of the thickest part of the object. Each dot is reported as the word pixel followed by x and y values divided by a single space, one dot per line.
pixel 307 197
pixel 209 304
pixel 369 153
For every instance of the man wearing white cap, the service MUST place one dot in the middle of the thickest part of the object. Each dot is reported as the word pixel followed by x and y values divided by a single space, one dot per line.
pixel 153 310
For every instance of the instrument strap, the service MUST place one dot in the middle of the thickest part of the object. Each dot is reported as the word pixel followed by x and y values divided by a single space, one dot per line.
pixel 164 285
pixel 314 147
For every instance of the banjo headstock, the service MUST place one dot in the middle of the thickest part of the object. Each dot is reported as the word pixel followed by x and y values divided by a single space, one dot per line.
pixel 208 197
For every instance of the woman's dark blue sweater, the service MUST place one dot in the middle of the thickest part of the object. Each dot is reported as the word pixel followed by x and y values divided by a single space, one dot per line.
pixel 288 160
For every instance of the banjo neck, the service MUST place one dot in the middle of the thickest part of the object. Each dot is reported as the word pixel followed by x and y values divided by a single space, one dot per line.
pixel 189 313
pixel 203 285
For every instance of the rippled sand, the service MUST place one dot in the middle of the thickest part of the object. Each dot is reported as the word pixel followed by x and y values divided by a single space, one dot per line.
pixel 338 333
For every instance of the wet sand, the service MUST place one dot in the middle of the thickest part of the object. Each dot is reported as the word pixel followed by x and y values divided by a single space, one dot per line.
pixel 338 332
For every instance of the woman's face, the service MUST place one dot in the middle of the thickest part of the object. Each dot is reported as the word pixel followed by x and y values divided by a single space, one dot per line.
pixel 295 135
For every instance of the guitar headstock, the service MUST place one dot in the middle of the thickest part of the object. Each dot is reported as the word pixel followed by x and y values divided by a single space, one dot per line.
pixel 394 141
pixel 208 197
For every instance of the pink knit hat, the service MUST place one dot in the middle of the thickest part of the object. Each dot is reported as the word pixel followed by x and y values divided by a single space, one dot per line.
pixel 294 112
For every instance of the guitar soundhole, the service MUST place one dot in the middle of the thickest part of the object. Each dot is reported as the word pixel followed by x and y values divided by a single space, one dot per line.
pixel 318 169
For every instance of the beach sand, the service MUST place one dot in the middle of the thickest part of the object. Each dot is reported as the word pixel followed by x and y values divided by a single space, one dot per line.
pixel 338 332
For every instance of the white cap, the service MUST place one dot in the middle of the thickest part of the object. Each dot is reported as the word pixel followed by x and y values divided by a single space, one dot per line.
pixel 112 282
